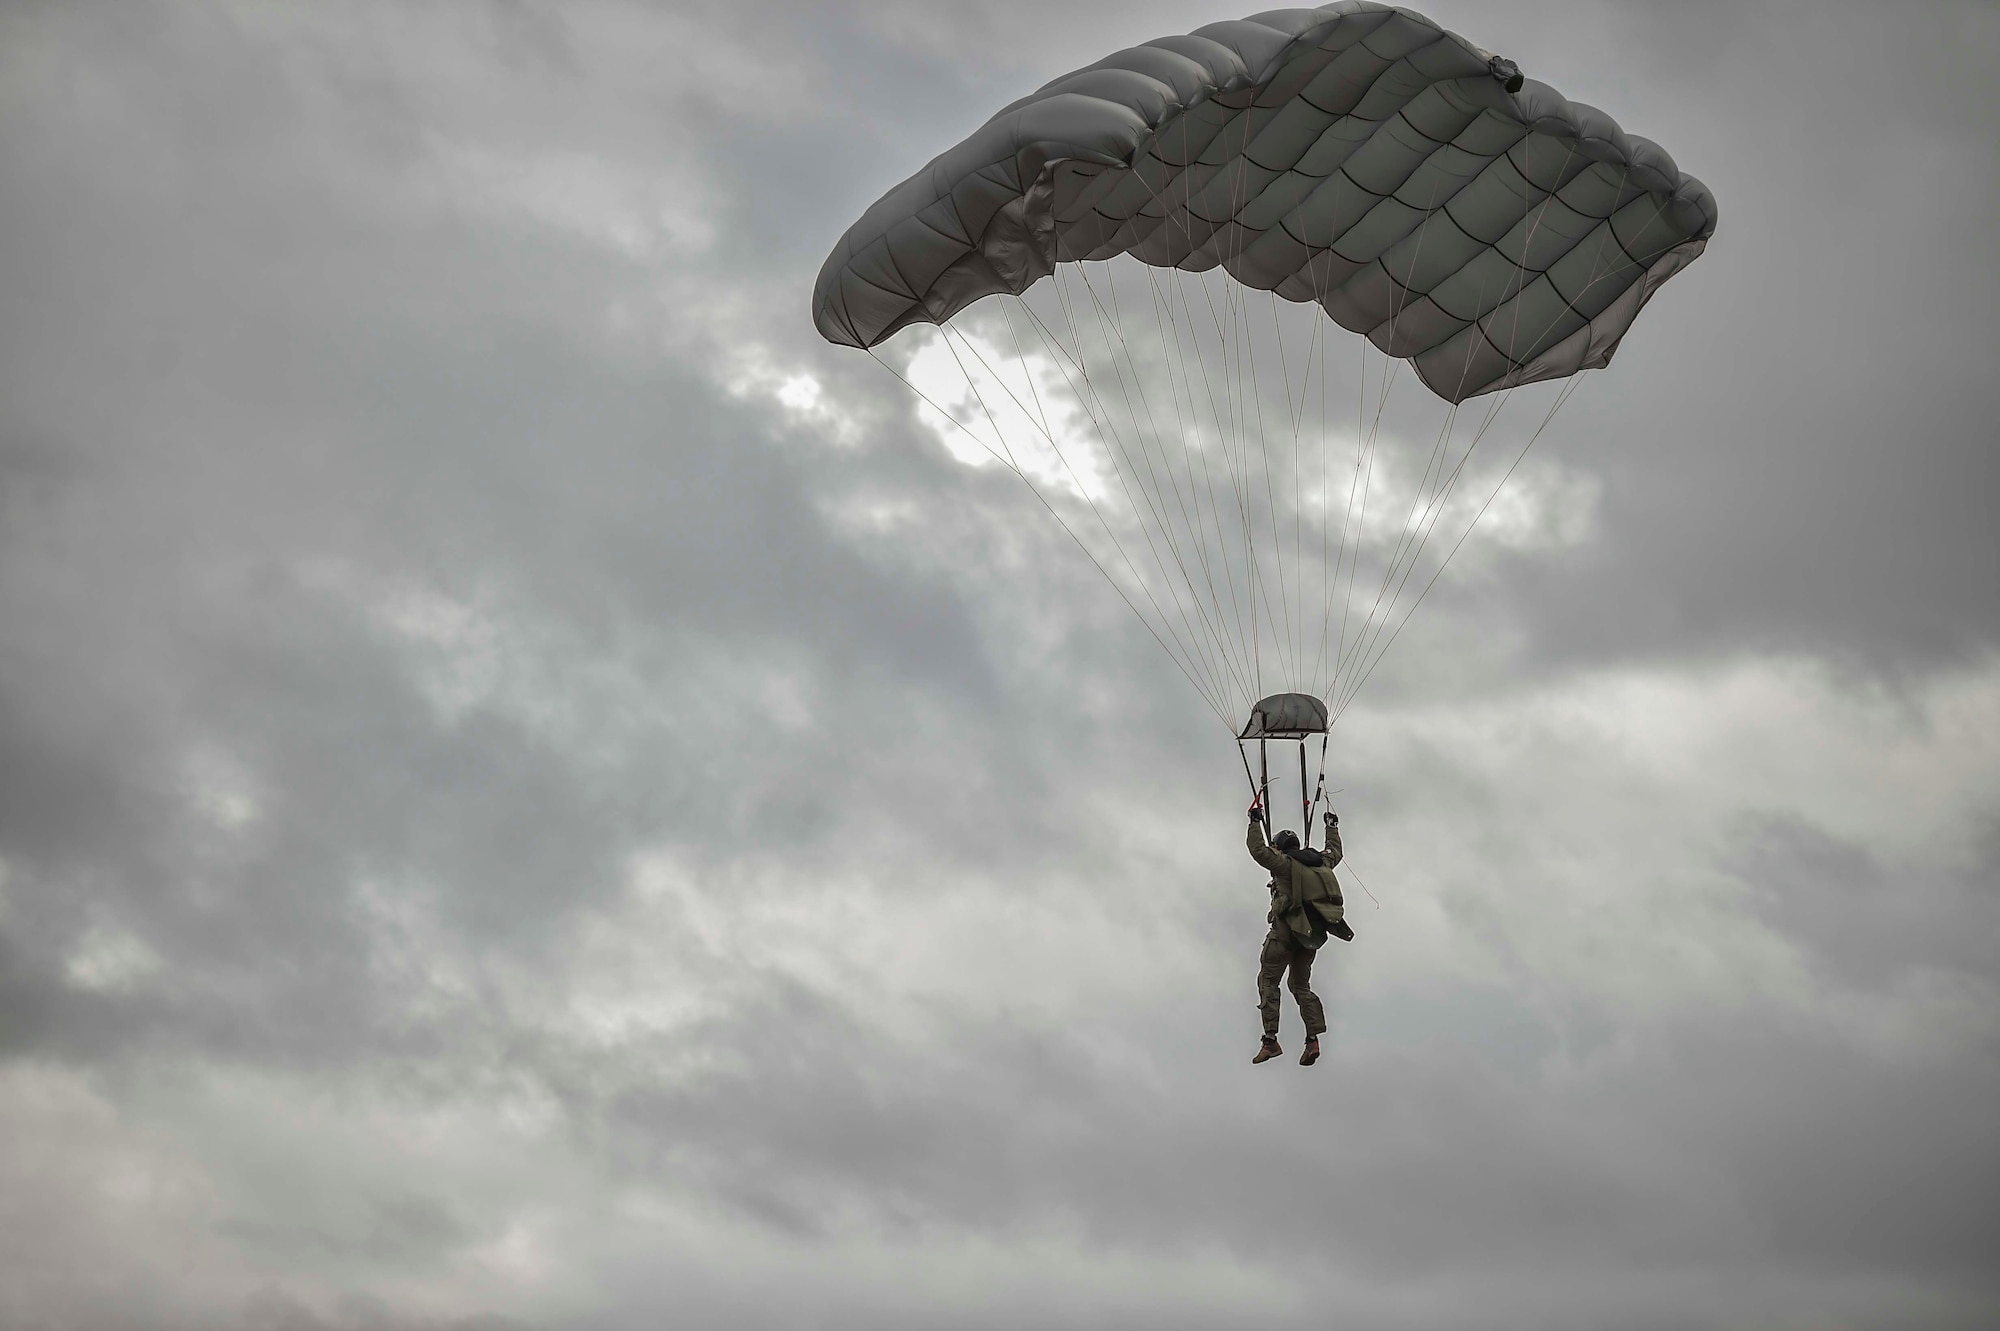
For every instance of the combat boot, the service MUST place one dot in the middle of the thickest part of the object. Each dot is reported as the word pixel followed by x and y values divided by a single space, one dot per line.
pixel 1269 1049
pixel 1310 1055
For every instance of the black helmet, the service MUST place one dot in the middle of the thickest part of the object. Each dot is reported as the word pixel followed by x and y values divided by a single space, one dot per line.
pixel 1285 840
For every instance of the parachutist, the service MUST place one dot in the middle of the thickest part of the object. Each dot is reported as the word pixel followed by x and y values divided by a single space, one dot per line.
pixel 1289 154
pixel 1306 906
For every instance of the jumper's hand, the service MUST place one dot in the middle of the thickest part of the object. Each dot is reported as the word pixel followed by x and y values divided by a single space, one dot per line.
pixel 1257 809
pixel 1332 818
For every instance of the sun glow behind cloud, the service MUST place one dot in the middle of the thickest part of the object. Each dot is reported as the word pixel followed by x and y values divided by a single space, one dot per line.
pixel 987 405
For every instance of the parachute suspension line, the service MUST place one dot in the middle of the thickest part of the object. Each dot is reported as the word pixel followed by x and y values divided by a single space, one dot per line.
pixel 1429 522
pixel 1168 215
pixel 1328 576
pixel 1206 639
pixel 1221 638
pixel 1391 369
pixel 1235 453
pixel 1369 450
pixel 1411 522
pixel 1241 636
pixel 1113 439
pixel 1235 449
pixel 1244 396
pixel 1445 490
pixel 1295 410
pixel 1227 431
pixel 1234 465
pixel 1277 536
pixel 946 330
pixel 1568 389
pixel 1305 439
pixel 1348 865
pixel 1189 424
pixel 1234 426
pixel 1425 525
pixel 1361 648
pixel 1438 451
pixel 1317 364
pixel 1189 428
pixel 1492 414
pixel 1106 434
pixel 1403 302
pixel 1226 436
pixel 1292 496
pixel 1319 786
pixel 1232 431
pixel 1068 530
pixel 1441 450
pixel 1332 582
pixel 1215 411
pixel 1325 487
pixel 1322 436
pixel 1283 634
pixel 1116 328
pixel 1310 438
pixel 1035 389
pixel 974 435
pixel 1154 503
pixel 1361 523
pixel 1250 392
pixel 1284 620
pixel 1434 513
pixel 967 430
pixel 1347 514
pixel 1049 435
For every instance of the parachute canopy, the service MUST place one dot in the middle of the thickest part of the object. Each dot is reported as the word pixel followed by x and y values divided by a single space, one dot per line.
pixel 1355 156
pixel 1286 716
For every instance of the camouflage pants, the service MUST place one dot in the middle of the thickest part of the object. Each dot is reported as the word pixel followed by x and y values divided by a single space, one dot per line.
pixel 1281 954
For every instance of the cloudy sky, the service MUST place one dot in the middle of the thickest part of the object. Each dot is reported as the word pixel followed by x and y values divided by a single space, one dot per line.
pixel 536 793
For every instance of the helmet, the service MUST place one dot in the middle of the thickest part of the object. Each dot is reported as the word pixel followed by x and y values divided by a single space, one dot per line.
pixel 1285 840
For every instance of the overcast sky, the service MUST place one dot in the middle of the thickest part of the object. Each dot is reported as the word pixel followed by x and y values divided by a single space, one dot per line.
pixel 536 793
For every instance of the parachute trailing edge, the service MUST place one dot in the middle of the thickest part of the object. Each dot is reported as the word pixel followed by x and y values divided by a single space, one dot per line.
pixel 1355 156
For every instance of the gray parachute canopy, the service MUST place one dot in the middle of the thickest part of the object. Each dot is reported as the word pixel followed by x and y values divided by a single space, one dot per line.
pixel 1355 155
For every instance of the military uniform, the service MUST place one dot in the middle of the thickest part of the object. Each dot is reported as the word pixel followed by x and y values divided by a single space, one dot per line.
pixel 1305 899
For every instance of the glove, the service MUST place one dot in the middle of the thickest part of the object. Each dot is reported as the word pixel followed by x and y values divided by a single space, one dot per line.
pixel 1257 811
pixel 1332 818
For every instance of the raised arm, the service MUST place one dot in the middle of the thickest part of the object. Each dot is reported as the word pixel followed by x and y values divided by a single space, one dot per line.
pixel 1333 852
pixel 1259 851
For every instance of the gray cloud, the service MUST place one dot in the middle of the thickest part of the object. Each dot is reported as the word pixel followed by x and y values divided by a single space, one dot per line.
pixel 507 821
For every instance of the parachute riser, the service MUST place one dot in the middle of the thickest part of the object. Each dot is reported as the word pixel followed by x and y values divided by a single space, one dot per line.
pixel 1264 762
pixel 1286 716
pixel 1305 805
pixel 1319 787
